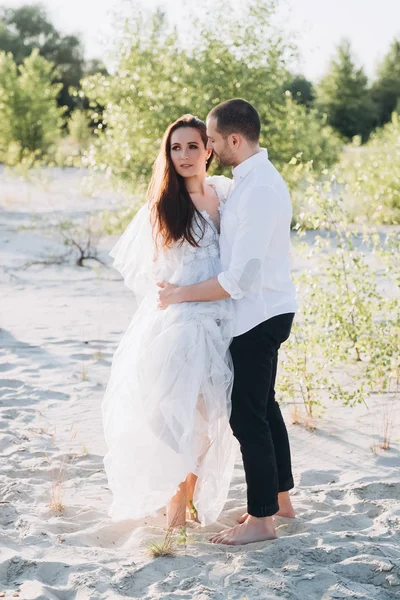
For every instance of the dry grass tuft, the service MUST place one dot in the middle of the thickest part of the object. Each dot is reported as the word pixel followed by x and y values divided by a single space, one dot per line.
pixel 168 546
pixel 164 548
pixel 388 418
pixel 56 495
pixel 56 504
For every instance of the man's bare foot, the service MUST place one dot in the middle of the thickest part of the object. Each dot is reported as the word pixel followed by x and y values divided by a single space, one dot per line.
pixel 252 530
pixel 285 508
pixel 243 518
pixel 176 509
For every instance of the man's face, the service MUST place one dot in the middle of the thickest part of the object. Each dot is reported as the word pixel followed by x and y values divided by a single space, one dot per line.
pixel 221 146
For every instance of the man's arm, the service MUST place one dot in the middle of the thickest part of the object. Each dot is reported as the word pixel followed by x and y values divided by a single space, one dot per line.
pixel 206 291
pixel 258 215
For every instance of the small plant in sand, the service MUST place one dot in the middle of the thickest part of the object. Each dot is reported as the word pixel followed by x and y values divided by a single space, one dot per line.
pixel 82 239
pixel 167 547
pixel 85 451
pixel 183 537
pixel 388 418
pixel 295 415
pixel 374 448
pixel 56 500
pixel 74 432
pixel 84 374
pixel 56 504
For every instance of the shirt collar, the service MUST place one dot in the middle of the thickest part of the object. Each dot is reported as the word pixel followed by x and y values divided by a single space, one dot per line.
pixel 248 165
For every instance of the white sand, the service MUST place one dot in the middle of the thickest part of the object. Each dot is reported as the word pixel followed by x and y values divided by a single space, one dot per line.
pixel 59 327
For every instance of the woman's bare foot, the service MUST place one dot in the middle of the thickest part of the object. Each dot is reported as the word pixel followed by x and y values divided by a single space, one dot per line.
pixel 191 481
pixel 252 530
pixel 285 508
pixel 176 509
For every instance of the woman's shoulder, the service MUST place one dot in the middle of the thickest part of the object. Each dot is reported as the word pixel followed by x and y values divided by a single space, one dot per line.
pixel 221 184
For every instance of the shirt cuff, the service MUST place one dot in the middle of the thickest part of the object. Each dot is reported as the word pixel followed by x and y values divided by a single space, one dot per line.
pixel 230 286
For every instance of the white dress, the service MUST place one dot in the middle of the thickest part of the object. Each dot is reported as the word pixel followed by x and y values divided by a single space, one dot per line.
pixel 167 404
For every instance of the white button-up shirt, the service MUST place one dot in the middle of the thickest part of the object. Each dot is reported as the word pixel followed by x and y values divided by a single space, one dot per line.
pixel 255 244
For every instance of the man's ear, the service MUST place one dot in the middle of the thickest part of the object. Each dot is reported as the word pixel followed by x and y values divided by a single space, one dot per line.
pixel 235 140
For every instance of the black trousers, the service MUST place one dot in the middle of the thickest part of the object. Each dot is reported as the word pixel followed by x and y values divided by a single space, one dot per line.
pixel 256 418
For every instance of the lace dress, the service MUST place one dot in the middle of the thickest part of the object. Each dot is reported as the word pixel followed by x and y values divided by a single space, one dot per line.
pixel 167 404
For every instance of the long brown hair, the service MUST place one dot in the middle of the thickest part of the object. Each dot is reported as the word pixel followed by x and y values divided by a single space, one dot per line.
pixel 172 209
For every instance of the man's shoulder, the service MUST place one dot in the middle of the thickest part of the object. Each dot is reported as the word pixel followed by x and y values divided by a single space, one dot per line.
pixel 268 178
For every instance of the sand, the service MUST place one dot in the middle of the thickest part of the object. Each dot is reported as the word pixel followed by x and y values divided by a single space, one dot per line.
pixel 59 327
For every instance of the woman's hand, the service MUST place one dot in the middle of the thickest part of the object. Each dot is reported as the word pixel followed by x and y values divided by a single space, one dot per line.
pixel 167 294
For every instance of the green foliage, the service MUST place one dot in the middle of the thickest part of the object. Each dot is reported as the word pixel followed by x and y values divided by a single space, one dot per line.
pixel 30 119
pixel 344 96
pixel 28 27
pixel 372 173
pixel 117 221
pixel 386 88
pixel 78 127
pixel 302 141
pixel 8 91
pixel 157 79
pixel 71 147
pixel 301 90
pixel 345 340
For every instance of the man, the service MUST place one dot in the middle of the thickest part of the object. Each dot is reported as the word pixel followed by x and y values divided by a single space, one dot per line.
pixel 255 245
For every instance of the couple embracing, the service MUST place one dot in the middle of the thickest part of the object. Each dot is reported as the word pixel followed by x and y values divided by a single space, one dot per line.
pixel 208 261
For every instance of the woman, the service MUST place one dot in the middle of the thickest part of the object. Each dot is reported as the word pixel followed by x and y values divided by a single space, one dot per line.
pixel 167 404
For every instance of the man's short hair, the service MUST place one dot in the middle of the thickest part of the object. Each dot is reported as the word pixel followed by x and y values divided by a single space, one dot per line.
pixel 237 116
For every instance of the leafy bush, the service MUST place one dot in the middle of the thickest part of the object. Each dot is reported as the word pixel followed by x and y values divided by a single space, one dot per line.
pixel 372 174
pixel 158 78
pixel 345 341
pixel 79 130
pixel 30 119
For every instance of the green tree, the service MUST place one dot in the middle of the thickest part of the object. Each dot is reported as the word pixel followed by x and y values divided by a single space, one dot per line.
pixel 301 90
pixel 386 88
pixel 158 78
pixel 30 119
pixel 93 66
pixel 344 96
pixel 28 27
pixel 8 92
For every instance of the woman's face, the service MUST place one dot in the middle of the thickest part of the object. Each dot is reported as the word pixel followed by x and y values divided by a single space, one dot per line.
pixel 188 153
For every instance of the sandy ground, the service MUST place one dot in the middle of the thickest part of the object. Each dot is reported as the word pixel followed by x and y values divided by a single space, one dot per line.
pixel 59 327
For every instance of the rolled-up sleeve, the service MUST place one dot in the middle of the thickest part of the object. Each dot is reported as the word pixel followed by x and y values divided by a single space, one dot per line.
pixel 257 218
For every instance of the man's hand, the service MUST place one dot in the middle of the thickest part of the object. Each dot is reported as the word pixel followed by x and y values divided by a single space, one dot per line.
pixel 167 294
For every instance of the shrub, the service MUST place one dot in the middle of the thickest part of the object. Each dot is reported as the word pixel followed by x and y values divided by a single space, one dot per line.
pixel 372 173
pixel 158 78
pixel 30 120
